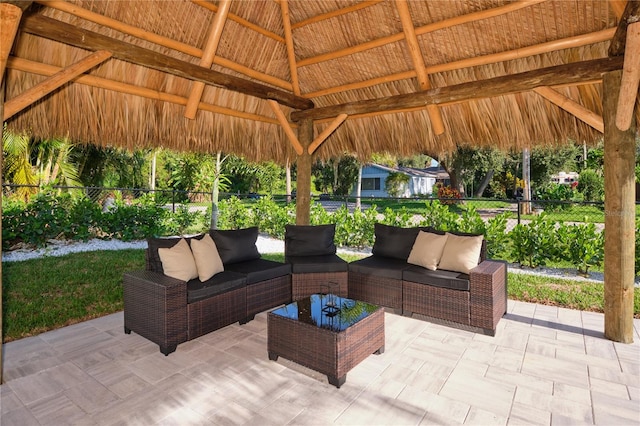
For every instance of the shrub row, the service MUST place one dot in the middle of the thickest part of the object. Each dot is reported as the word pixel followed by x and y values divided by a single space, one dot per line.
pixel 64 216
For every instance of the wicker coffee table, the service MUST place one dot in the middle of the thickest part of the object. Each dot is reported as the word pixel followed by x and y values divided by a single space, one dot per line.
pixel 327 333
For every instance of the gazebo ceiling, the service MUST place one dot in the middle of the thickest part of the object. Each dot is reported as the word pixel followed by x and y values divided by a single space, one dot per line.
pixel 330 55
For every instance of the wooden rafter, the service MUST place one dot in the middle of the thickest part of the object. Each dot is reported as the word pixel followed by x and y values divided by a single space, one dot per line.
pixel 291 56
pixel 286 126
pixel 418 63
pixel 42 89
pixel 212 7
pixel 129 89
pixel 335 13
pixel 446 23
pixel 9 21
pixel 630 78
pixel 630 15
pixel 566 43
pixel 209 52
pixel 514 83
pixel 326 133
pixel 163 41
pixel 69 34
pixel 591 118
pixel 618 7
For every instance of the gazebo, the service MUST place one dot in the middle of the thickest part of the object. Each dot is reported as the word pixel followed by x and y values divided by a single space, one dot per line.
pixel 294 80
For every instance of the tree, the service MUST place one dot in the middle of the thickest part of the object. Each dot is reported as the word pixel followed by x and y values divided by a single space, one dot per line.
pixel 396 183
pixel 336 175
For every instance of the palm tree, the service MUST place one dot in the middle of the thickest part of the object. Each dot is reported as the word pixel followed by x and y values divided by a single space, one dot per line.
pixel 17 167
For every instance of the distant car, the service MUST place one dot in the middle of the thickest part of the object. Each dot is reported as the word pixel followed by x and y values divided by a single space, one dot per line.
pixel 254 196
pixel 325 197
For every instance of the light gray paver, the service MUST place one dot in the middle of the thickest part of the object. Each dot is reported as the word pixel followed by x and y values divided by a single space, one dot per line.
pixel 545 366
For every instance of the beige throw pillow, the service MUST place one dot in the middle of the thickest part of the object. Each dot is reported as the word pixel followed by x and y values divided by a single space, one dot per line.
pixel 178 262
pixel 207 257
pixel 461 253
pixel 427 250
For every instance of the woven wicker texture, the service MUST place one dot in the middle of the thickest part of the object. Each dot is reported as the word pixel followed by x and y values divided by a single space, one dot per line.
pixel 374 289
pixel 304 285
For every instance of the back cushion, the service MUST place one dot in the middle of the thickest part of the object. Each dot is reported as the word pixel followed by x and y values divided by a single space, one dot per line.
pixel 393 241
pixel 236 245
pixel 153 244
pixel 309 240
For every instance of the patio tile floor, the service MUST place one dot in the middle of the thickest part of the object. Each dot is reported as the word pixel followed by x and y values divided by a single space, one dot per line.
pixel 546 366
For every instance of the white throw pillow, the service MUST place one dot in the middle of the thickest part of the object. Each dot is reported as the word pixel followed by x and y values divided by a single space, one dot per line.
pixel 178 262
pixel 427 250
pixel 207 257
pixel 461 253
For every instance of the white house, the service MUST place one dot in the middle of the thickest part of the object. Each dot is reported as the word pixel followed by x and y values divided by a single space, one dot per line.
pixel 421 181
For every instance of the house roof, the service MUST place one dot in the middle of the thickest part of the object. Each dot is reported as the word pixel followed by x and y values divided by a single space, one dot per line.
pixel 475 63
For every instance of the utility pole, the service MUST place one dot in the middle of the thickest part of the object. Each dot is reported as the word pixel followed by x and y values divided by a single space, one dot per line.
pixel 526 177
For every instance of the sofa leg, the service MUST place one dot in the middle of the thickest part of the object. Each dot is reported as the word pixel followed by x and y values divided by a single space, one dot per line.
pixel 166 350
pixel 247 319
pixel 127 330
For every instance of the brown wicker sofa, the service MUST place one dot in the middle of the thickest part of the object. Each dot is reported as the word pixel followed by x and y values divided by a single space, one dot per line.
pixel 477 299
pixel 169 311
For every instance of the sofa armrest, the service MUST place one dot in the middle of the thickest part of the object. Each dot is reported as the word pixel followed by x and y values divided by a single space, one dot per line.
pixel 488 294
pixel 155 306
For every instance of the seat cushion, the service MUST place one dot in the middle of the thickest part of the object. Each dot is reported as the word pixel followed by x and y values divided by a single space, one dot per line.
pixel 386 267
pixel 439 278
pixel 236 245
pixel 393 241
pixel 315 264
pixel 309 240
pixel 258 270
pixel 218 284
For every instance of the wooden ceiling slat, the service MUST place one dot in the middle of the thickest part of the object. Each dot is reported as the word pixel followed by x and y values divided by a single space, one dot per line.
pixel 163 41
pixel 17 104
pixel 130 89
pixel 65 33
pixel 458 20
pixel 335 13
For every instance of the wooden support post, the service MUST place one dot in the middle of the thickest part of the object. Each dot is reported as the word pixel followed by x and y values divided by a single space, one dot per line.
pixel 619 208
pixel 9 21
pixel 303 181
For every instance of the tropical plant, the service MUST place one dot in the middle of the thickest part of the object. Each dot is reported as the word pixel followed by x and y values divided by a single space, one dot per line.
pixel 582 245
pixel 17 168
pixel 448 195
pixel 591 184
pixel 534 243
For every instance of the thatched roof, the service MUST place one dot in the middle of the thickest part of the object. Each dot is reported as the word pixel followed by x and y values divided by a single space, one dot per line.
pixel 340 58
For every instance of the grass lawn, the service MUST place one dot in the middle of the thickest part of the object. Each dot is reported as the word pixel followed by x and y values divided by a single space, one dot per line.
pixel 52 292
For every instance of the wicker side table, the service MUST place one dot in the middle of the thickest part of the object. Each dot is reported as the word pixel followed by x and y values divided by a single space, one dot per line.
pixel 330 344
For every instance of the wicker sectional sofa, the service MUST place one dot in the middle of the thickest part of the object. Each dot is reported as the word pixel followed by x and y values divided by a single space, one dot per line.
pixel 169 311
pixel 476 298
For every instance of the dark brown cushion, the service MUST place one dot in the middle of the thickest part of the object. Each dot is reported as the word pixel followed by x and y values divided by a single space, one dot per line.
pixel 236 245
pixel 384 267
pixel 220 283
pixel 309 240
pixel 393 241
pixel 439 278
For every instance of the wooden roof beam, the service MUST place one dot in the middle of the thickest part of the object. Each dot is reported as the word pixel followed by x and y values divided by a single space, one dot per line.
pixel 565 43
pixel 337 122
pixel 335 13
pixel 9 21
pixel 286 126
pixel 418 63
pixel 59 31
pixel 42 89
pixel 161 41
pixel 591 118
pixel 446 23
pixel 130 89
pixel 209 52
pixel 498 86
pixel 212 7
pixel 630 15
pixel 288 37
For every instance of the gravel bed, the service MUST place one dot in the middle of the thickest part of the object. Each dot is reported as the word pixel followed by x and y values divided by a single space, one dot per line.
pixel 265 244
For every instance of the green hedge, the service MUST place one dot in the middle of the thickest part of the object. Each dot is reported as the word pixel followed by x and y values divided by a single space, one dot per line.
pixel 64 216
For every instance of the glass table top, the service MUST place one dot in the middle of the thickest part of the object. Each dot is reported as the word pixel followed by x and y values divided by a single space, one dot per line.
pixel 327 311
